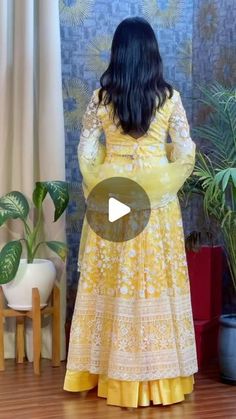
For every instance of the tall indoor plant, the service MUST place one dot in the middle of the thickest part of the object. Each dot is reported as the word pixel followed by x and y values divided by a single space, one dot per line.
pixel 214 178
pixel 18 276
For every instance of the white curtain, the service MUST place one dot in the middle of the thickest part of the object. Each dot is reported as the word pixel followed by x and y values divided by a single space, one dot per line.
pixel 31 124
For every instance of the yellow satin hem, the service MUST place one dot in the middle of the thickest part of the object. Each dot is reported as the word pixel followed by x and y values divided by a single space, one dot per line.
pixel 131 393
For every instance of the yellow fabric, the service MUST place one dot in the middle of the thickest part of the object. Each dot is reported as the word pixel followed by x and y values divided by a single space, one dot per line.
pixel 132 330
pixel 159 167
pixel 133 317
pixel 148 160
pixel 131 393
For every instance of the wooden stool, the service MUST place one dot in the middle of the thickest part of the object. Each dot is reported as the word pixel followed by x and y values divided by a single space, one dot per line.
pixel 35 314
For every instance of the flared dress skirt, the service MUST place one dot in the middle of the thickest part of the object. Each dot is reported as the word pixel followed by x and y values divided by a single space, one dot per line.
pixel 132 333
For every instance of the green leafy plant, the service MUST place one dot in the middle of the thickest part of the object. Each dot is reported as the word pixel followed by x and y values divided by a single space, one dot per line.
pixel 214 175
pixel 14 205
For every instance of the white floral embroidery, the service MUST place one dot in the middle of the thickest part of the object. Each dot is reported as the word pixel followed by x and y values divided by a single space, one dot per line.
pixel 133 317
pixel 124 290
pixel 179 131
pixel 91 131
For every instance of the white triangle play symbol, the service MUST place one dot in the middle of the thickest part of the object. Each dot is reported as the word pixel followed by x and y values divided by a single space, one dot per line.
pixel 116 209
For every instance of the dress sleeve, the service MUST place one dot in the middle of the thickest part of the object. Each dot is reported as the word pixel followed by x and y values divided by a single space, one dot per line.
pixel 183 148
pixel 169 178
pixel 91 152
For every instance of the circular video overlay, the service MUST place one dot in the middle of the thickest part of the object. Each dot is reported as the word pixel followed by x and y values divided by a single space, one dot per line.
pixel 118 209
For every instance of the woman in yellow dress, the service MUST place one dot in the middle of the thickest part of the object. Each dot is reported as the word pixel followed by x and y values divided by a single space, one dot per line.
pixel 132 331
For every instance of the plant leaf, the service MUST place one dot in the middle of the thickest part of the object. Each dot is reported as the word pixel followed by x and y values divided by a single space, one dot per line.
pixel 16 204
pixel 39 194
pixel 59 248
pixel 58 190
pixel 224 177
pixel 233 175
pixel 9 261
pixel 225 180
pixel 5 215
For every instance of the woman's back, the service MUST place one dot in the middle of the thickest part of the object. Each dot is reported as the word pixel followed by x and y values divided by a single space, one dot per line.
pixel 146 159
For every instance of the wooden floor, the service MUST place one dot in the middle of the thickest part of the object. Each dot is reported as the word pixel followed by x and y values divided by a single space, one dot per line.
pixel 24 395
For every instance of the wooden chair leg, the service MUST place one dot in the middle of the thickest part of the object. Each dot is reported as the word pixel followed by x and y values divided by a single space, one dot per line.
pixel 2 366
pixel 56 328
pixel 20 340
pixel 36 320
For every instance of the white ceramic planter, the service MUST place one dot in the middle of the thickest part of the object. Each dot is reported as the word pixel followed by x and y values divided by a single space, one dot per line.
pixel 40 274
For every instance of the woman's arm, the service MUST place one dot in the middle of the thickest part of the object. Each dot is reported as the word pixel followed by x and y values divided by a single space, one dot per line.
pixel 183 148
pixel 181 151
pixel 91 152
pixel 163 182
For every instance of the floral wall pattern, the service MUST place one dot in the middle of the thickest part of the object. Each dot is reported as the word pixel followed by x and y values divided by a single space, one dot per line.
pixel 197 43
pixel 214 58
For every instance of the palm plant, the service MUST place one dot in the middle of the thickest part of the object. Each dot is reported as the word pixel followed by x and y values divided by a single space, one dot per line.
pixel 214 175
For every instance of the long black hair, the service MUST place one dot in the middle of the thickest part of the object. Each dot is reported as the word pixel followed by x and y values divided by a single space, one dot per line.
pixel 134 79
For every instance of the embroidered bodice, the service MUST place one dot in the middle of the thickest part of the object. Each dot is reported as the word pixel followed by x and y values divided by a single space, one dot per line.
pixel 159 167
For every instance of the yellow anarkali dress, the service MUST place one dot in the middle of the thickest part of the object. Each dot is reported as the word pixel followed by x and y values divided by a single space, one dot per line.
pixel 132 331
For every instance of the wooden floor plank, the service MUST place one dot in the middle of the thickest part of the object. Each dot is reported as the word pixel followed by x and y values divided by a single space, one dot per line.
pixel 23 394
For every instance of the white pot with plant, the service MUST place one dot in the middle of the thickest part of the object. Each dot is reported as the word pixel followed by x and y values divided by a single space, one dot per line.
pixel 19 276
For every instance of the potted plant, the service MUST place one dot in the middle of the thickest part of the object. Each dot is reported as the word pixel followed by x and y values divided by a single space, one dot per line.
pixel 19 275
pixel 214 178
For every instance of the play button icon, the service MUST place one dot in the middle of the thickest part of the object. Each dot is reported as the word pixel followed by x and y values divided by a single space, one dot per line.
pixel 118 209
